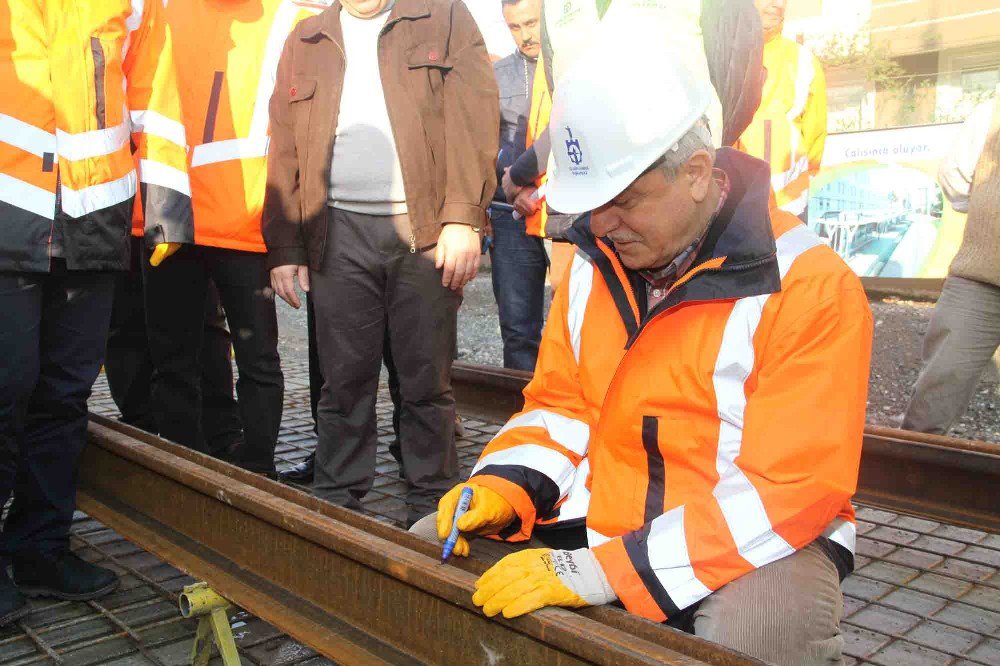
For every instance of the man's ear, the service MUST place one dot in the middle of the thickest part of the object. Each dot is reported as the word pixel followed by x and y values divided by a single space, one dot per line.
pixel 698 171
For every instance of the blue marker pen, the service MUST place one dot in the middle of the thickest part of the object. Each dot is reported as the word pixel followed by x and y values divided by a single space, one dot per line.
pixel 463 506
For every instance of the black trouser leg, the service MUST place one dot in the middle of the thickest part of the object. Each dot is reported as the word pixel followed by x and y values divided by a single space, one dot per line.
pixel 220 418
pixel 422 328
pixel 21 298
pixel 245 291
pixel 390 367
pixel 127 364
pixel 60 332
pixel 175 293
pixel 315 369
pixel 348 295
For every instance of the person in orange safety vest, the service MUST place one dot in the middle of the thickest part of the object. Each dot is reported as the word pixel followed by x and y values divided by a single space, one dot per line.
pixel 85 84
pixel 227 62
pixel 789 129
pixel 700 392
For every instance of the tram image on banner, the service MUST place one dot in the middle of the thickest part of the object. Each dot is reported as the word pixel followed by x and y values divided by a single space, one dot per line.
pixel 883 220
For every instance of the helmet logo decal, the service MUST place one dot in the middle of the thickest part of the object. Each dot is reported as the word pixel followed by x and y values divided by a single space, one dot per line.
pixel 573 149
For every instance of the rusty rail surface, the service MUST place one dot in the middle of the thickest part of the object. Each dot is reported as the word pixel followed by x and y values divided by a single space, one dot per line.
pixel 356 590
pixel 940 478
pixel 908 289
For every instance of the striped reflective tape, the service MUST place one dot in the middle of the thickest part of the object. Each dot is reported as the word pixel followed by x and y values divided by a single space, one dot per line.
pixel 738 499
pixel 77 203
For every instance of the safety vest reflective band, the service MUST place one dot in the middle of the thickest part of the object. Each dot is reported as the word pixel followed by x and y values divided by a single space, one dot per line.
pixel 538 121
pixel 696 426
pixel 75 75
pixel 789 129
pixel 227 64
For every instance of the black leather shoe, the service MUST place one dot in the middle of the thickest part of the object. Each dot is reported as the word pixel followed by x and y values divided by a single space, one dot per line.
pixel 63 576
pixel 13 605
pixel 301 473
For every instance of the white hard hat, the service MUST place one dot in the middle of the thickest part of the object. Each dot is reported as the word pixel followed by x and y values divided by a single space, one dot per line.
pixel 622 105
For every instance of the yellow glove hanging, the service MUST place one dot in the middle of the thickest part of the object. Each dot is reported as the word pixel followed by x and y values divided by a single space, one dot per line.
pixel 488 513
pixel 161 252
pixel 531 579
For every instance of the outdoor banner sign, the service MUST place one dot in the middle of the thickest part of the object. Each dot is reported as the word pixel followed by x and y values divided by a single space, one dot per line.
pixel 876 201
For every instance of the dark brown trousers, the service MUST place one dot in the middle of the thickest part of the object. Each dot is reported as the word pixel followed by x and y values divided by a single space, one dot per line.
pixel 371 283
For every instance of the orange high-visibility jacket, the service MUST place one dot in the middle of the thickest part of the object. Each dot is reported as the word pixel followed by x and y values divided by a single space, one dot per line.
pixel 82 82
pixel 717 433
pixel 227 56
pixel 789 129
pixel 538 122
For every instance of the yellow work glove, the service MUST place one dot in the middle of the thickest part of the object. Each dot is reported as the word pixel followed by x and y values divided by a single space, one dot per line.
pixel 539 577
pixel 488 513
pixel 161 252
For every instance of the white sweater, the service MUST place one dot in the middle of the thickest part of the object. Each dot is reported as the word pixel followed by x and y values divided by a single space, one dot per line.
pixel 365 176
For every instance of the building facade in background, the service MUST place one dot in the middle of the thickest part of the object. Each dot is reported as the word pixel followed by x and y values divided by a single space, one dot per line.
pixel 893 63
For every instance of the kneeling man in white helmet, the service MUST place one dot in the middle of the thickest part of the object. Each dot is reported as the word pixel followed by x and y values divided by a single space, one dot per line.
pixel 690 440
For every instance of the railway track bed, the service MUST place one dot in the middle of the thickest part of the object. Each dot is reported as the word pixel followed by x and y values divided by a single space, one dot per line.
pixel 926 589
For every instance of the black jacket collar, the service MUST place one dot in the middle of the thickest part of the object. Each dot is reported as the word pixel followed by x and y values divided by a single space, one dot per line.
pixel 741 235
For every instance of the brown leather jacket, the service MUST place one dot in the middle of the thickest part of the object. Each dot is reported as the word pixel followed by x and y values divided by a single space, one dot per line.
pixel 443 108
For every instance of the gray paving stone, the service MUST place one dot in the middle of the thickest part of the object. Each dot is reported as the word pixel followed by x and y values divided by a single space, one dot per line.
pixel 861 643
pixel 940 585
pixel 865 588
pixel 960 534
pixel 937 545
pixel 911 601
pixel 987 651
pixel 944 637
pixel 900 652
pixel 972 619
pixel 889 572
pixel 884 620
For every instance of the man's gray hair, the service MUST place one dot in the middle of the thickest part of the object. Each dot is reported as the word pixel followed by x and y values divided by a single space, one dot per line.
pixel 699 137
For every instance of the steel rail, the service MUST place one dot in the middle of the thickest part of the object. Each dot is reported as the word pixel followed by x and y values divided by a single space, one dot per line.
pixel 356 590
pixel 939 478
pixel 909 289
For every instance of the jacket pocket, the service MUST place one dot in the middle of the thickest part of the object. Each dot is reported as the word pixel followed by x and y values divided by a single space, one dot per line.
pixel 100 90
pixel 301 90
pixel 427 55
pixel 428 67
pixel 300 95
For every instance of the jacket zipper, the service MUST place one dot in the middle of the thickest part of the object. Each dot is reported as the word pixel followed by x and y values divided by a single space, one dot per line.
pixel 653 314
pixel 413 243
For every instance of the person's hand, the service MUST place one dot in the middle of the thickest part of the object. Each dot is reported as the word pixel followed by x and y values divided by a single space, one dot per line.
pixel 510 190
pixel 488 513
pixel 457 253
pixel 527 201
pixel 531 579
pixel 161 252
pixel 283 282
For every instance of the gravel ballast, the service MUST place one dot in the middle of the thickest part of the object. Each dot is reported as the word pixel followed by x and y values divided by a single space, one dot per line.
pixel 899 329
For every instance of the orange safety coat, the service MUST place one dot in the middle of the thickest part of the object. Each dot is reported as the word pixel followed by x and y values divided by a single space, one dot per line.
pixel 710 436
pixel 789 129
pixel 227 60
pixel 82 83
pixel 538 122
